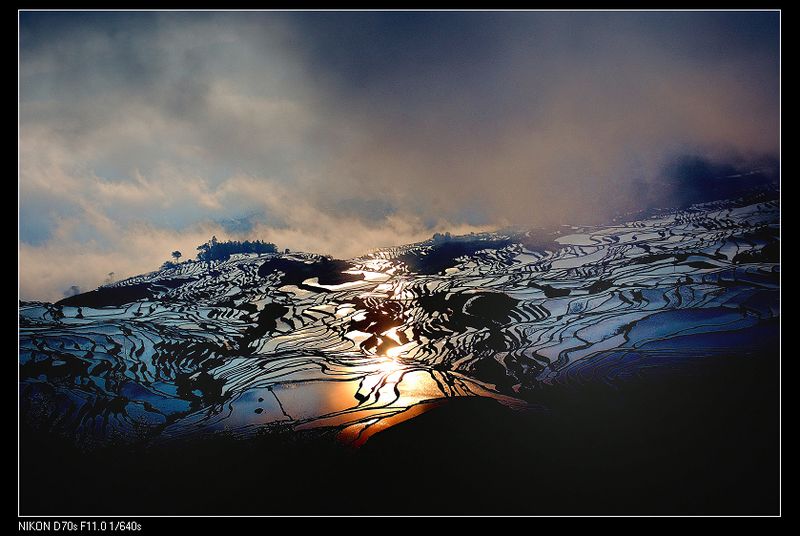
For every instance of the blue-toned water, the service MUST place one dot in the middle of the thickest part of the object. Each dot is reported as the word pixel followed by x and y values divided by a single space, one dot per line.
pixel 303 342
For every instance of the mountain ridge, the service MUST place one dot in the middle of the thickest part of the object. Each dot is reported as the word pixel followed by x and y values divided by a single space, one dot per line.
pixel 307 341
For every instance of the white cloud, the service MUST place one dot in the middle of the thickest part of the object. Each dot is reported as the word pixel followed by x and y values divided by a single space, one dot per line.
pixel 136 139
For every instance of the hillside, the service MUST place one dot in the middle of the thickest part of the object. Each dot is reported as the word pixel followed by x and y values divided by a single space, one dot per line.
pixel 306 341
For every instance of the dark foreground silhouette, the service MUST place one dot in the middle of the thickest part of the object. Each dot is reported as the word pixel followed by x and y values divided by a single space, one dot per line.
pixel 703 440
pixel 645 354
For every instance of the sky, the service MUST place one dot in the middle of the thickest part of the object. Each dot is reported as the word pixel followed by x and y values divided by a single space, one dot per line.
pixel 340 132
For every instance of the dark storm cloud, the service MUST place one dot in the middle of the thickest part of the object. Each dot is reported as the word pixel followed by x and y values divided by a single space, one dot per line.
pixel 455 105
pixel 338 132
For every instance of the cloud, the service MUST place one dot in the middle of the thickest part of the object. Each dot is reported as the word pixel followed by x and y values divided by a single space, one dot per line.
pixel 340 132
pixel 546 115
pixel 72 291
pixel 49 268
pixel 89 247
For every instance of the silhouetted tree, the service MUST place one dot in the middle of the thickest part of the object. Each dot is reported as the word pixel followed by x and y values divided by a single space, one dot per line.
pixel 177 255
pixel 204 250
pixel 439 237
pixel 215 250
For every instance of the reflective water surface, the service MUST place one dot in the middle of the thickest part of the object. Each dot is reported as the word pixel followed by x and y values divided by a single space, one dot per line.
pixel 301 341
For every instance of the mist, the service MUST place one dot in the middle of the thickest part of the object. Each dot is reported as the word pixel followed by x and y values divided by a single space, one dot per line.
pixel 341 132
